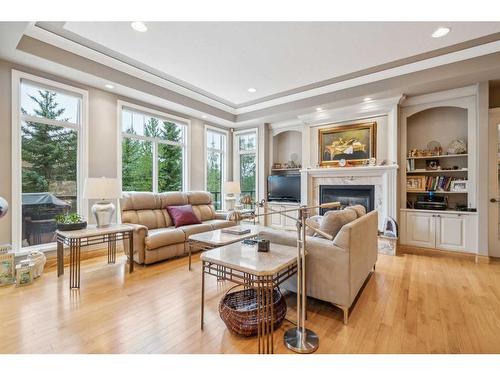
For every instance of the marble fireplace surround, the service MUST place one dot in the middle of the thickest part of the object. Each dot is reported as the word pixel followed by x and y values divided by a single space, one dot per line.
pixel 383 178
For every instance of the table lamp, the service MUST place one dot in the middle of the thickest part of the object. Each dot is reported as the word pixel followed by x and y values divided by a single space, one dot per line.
pixel 105 189
pixel 232 189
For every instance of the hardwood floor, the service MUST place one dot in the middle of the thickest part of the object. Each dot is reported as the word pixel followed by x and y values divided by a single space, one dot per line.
pixel 413 303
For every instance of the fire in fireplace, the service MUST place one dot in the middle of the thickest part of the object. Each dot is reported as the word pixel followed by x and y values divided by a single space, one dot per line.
pixel 347 195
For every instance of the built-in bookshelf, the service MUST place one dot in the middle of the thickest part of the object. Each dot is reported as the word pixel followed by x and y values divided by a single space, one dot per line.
pixel 433 172
pixel 440 171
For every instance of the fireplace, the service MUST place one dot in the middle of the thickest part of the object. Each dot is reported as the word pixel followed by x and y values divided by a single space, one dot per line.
pixel 347 195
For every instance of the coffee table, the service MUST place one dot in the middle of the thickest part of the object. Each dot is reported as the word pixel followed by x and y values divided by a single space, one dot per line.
pixel 244 265
pixel 217 238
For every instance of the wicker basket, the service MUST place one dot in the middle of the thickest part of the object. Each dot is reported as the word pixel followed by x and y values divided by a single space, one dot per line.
pixel 239 311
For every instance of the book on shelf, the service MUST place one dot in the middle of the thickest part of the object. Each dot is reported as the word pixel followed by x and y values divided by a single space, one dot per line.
pixel 410 165
pixel 238 230
pixel 438 183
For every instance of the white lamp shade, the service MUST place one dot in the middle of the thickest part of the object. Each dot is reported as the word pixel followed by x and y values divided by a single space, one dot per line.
pixel 101 188
pixel 232 187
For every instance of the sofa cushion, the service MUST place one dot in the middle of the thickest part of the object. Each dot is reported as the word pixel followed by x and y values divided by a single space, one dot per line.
pixel 334 220
pixel 359 209
pixel 152 219
pixel 199 197
pixel 140 201
pixel 183 215
pixel 174 198
pixel 163 237
pixel 219 224
pixel 204 212
pixel 313 222
pixel 195 228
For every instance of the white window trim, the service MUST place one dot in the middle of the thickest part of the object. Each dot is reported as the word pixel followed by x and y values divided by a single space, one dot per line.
pixel 237 153
pixel 83 150
pixel 121 104
pixel 224 159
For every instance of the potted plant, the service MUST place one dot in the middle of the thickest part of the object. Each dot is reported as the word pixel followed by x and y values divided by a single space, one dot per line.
pixel 70 222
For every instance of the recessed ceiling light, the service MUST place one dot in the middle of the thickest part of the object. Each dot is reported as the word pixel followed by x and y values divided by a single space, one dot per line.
pixel 367 99
pixel 109 86
pixel 319 109
pixel 440 31
pixel 204 116
pixel 252 89
pixel 139 26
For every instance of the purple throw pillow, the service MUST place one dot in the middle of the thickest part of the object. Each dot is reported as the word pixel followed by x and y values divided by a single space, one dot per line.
pixel 182 215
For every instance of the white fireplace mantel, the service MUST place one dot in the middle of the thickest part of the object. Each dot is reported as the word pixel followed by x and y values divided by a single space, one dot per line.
pixel 383 178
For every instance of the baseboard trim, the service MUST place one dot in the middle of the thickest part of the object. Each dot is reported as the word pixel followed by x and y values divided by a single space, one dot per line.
pixel 406 249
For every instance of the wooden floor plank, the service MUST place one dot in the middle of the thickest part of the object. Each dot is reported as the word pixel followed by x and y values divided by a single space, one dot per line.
pixel 413 303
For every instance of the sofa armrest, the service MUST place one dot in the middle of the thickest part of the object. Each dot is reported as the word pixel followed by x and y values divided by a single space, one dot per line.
pixel 221 215
pixel 140 234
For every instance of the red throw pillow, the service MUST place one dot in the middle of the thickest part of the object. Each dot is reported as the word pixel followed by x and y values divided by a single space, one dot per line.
pixel 182 215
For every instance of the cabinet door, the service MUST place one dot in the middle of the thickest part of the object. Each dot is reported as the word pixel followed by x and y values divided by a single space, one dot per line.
pixel 276 218
pixel 451 232
pixel 290 223
pixel 420 229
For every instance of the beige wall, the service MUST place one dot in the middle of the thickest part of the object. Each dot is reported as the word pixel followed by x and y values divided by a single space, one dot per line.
pixel 103 137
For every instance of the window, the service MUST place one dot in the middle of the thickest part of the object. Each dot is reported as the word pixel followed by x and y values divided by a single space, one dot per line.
pixel 245 166
pixel 49 160
pixel 215 163
pixel 153 151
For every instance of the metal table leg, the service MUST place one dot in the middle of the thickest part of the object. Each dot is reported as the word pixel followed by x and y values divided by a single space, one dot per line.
pixel 60 258
pixel 202 292
pixel 131 251
pixel 190 244
pixel 74 263
pixel 111 239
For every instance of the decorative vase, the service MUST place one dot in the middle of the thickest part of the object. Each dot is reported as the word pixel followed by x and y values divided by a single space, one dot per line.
pixel 38 259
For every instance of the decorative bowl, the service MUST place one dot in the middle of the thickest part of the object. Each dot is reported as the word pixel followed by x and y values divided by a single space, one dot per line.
pixel 72 226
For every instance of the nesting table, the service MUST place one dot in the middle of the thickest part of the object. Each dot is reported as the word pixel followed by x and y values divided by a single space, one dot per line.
pixel 92 235
pixel 244 265
pixel 217 238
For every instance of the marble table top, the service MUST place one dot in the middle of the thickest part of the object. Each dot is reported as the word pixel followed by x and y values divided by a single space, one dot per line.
pixel 219 238
pixel 92 230
pixel 246 258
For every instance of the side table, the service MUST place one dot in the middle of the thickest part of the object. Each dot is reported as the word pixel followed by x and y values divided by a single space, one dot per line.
pixel 92 235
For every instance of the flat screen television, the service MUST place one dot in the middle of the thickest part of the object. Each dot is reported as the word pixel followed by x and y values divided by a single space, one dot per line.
pixel 283 188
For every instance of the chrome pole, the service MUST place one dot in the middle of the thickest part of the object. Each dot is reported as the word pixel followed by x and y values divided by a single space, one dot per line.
pixel 300 339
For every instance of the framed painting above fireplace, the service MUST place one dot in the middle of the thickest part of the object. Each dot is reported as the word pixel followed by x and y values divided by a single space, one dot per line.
pixel 354 143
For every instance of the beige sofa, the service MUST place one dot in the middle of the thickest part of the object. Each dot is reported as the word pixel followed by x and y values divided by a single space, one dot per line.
pixel 336 270
pixel 155 236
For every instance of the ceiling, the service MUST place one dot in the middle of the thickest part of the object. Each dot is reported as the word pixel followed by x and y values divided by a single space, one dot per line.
pixel 223 59
pixel 203 69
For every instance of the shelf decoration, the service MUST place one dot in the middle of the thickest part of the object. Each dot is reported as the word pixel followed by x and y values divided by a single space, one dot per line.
pixel 415 183
pixel 459 186
pixel 24 273
pixel 7 265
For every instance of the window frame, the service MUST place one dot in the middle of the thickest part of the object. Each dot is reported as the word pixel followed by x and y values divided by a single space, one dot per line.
pixel 224 156
pixel 124 105
pixel 237 153
pixel 16 153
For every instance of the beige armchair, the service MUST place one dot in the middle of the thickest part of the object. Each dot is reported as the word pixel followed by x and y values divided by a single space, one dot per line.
pixel 336 270
pixel 155 236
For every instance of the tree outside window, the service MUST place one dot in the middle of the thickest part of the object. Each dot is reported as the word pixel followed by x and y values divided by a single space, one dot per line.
pixel 150 143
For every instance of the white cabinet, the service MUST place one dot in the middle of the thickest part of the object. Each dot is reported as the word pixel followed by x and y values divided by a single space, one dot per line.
pixel 420 229
pixel 440 230
pixel 451 232
pixel 280 221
